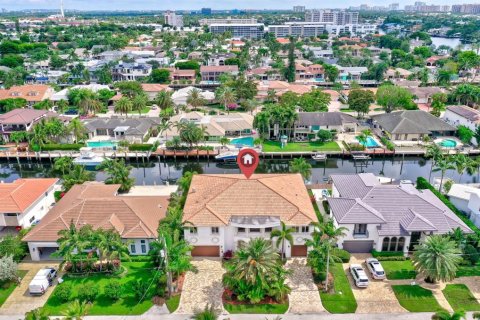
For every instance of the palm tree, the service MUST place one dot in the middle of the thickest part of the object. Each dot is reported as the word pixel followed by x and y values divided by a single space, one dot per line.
pixel 224 141
pixel 195 98
pixel 139 102
pixel 461 163
pixel 300 165
pixel 164 100
pixel 37 314
pixel 77 175
pixel 209 313
pixel 445 315
pixel 76 310
pixel 165 126
pixel 123 105
pixel 62 105
pixel 433 151
pixel 78 129
pixel 72 241
pixel 37 136
pixel 118 173
pixel 63 164
pixel 227 96
pixel 271 95
pixel 250 105
pixel 110 246
pixel 283 234
pixel 437 258
pixel 173 222
pixel 363 137
pixel 443 164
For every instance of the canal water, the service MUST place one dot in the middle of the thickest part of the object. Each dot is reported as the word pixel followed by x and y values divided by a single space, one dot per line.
pixel 156 173
pixel 451 42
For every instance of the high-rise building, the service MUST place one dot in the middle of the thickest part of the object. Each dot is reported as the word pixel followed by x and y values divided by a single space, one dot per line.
pixel 173 19
pixel 394 7
pixel 62 13
pixel 227 20
pixel 239 31
pixel 299 9
pixel 466 8
pixel 337 17
pixel 206 11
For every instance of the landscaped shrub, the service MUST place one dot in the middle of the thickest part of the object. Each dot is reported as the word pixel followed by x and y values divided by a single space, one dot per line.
pixel 471 254
pixel 138 259
pixel 63 292
pixel 377 254
pixel 389 144
pixel 61 147
pixel 342 254
pixel 12 245
pixel 113 290
pixel 392 258
pixel 88 292
pixel 319 277
pixel 140 147
pixel 356 147
pixel 422 183
pixel 139 289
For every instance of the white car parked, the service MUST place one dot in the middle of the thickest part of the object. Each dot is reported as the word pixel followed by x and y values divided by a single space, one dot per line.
pixel 359 276
pixel 375 268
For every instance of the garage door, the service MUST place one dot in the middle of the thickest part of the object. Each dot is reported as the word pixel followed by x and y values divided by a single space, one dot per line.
pixel 206 251
pixel 299 251
pixel 358 246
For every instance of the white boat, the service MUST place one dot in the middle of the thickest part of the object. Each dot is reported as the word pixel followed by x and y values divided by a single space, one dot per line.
pixel 319 157
pixel 229 156
pixel 88 158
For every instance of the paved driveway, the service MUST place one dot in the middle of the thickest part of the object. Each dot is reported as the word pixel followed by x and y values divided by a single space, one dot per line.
pixel 304 297
pixel 378 297
pixel 20 301
pixel 203 287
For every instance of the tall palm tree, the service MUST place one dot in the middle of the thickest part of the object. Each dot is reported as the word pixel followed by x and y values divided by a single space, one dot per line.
pixel 437 258
pixel 139 102
pixel 443 164
pixel 37 314
pixel 72 241
pixel 461 163
pixel 195 99
pixel 227 96
pixel 250 105
pixel 433 151
pixel 300 165
pixel 117 173
pixel 164 100
pixel 76 310
pixel 78 130
pixel 363 137
pixel 63 164
pixel 284 234
pixel 62 106
pixel 110 246
pixel 77 175
pixel 165 126
pixel 445 315
pixel 123 105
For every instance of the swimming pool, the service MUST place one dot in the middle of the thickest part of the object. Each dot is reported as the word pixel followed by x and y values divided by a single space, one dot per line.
pixel 102 144
pixel 371 143
pixel 245 141
pixel 448 143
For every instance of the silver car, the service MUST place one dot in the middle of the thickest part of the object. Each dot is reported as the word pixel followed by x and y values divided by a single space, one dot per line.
pixel 359 276
pixel 375 268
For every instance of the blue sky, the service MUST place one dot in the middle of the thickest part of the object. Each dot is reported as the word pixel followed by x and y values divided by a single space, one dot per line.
pixel 196 4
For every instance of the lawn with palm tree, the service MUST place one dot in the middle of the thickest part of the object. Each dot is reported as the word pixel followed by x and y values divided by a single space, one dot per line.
pixel 342 299
pixel 127 304
pixel 416 299
pixel 310 146
pixel 460 298
pixel 398 270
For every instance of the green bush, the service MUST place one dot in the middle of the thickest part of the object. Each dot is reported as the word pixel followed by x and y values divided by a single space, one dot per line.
pixel 342 254
pixel 392 258
pixel 319 277
pixel 389 144
pixel 14 246
pixel 58 147
pixel 63 292
pixel 471 254
pixel 422 184
pixel 88 292
pixel 113 290
pixel 140 147
pixel 138 259
pixel 377 254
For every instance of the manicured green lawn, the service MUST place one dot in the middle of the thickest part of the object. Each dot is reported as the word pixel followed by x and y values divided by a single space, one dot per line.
pixel 257 308
pixel 127 304
pixel 6 288
pixel 173 302
pixel 343 300
pixel 468 271
pixel 416 298
pixel 460 298
pixel 397 270
pixel 275 146
pixel 144 111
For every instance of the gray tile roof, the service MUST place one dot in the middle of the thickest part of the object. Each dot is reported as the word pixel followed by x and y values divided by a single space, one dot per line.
pixel 136 126
pixel 324 119
pixel 404 208
pixel 411 121
pixel 465 112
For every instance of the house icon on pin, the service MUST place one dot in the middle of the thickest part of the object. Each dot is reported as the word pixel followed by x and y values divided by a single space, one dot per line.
pixel 247 159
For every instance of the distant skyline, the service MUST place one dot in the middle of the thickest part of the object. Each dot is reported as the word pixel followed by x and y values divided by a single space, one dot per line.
pixel 198 4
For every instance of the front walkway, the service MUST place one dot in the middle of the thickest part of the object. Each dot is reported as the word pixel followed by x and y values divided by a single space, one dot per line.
pixel 202 287
pixel 304 297
pixel 20 301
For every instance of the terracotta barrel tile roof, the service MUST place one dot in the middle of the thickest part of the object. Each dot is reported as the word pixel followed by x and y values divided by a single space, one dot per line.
pixel 19 195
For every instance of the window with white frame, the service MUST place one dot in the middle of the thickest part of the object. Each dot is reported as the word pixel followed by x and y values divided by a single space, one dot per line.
pixel 215 230
pixel 193 230
pixel 133 248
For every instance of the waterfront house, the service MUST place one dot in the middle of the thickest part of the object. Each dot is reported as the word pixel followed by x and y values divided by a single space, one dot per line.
pixel 309 123
pixel 466 198
pixel 134 130
pixel 423 95
pixel 153 89
pixel 397 73
pixel 347 74
pixel 463 116
pixel 180 97
pixel 33 93
pixel 226 210
pixel 386 217
pixel 281 87
pixel 411 125
pixel 24 202
pixel 135 218
pixel 213 73
pixel 311 73
pixel 21 120
pixel 131 71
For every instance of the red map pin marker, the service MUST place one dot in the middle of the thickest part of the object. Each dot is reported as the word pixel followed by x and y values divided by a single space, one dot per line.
pixel 247 160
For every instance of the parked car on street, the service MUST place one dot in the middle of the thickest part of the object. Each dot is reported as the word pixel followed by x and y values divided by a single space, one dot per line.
pixel 42 280
pixel 375 268
pixel 359 276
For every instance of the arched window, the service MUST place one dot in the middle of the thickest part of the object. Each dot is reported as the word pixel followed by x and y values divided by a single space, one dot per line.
pixel 401 243
pixel 386 242
pixel 393 244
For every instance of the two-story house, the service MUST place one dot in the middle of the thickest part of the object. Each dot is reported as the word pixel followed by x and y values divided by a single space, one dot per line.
pixel 131 71
pixel 311 73
pixel 386 217
pixel 32 93
pixel 213 73
pixel 26 201
pixel 228 209
pixel 309 123
pixel 20 120
pixel 463 116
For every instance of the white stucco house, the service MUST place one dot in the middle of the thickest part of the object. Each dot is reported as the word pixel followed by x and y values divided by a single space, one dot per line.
pixel 463 116
pixel 386 217
pixel 26 201
pixel 135 218
pixel 466 199
pixel 228 209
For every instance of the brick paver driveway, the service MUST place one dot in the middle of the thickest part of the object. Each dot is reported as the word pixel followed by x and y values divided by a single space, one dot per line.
pixel 378 297
pixel 20 301
pixel 203 287
pixel 304 297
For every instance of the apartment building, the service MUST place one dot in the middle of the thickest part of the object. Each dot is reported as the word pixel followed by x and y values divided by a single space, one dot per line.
pixel 131 71
pixel 173 19
pixel 227 20
pixel 472 8
pixel 338 17
pixel 239 31
pixel 213 73
pixel 306 29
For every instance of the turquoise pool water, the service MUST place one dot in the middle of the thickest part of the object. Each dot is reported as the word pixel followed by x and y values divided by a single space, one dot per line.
pixel 371 143
pixel 448 143
pixel 102 144
pixel 245 141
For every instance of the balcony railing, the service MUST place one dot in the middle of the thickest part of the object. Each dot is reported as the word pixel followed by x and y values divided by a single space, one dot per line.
pixel 362 235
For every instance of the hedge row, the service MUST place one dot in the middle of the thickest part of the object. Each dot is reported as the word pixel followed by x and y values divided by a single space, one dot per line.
pixel 140 147
pixel 342 254
pixel 392 258
pixel 377 254
pixel 389 144
pixel 58 147
pixel 422 184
